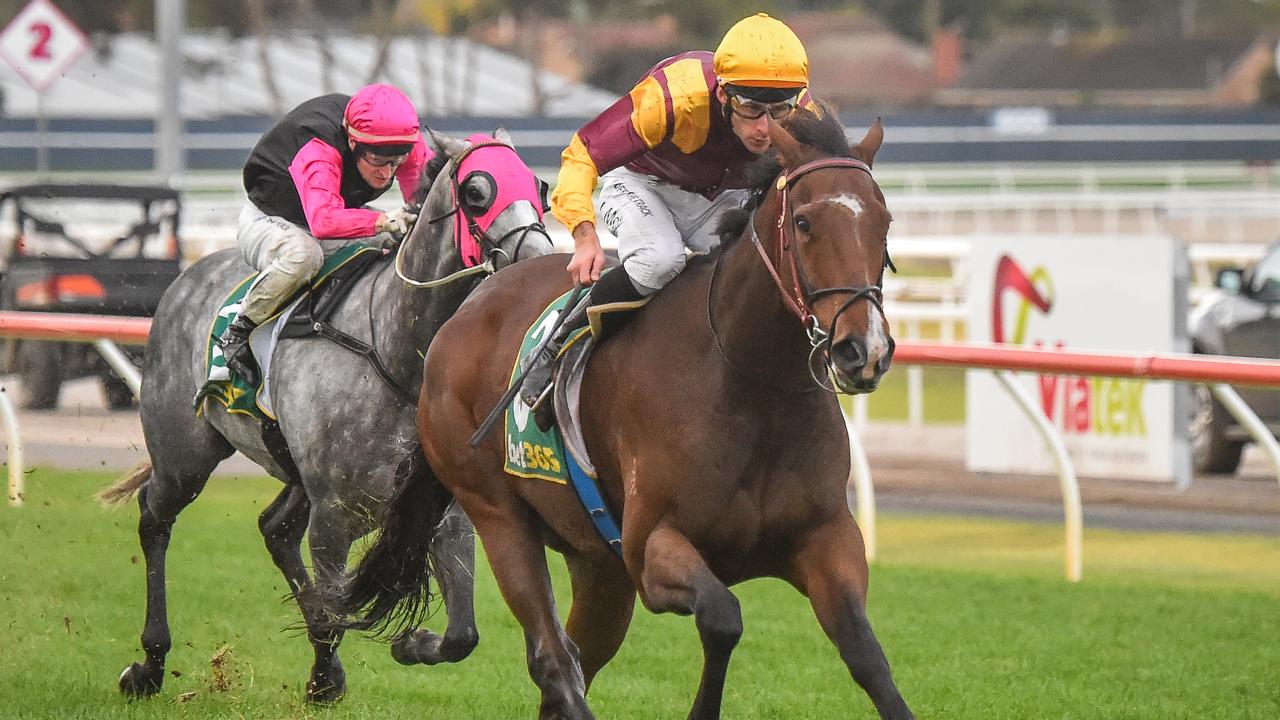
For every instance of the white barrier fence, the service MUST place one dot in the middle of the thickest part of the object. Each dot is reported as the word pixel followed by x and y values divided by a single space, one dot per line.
pixel 1208 204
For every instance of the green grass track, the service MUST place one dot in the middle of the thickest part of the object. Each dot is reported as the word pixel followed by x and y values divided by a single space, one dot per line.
pixel 974 615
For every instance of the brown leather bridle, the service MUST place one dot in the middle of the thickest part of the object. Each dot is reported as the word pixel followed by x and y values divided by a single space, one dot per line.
pixel 802 300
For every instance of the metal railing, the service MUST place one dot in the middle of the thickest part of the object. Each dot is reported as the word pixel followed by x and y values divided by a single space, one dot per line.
pixel 1219 373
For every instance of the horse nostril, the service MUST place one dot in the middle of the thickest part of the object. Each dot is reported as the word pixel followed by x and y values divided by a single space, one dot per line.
pixel 887 359
pixel 849 354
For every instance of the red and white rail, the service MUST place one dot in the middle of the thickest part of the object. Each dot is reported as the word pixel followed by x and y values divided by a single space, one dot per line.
pixel 1218 373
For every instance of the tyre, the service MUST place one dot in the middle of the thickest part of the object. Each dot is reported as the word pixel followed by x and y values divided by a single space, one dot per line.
pixel 1211 451
pixel 116 392
pixel 39 365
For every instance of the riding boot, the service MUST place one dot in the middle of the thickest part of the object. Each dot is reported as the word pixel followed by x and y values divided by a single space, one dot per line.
pixel 537 378
pixel 235 349
pixel 614 287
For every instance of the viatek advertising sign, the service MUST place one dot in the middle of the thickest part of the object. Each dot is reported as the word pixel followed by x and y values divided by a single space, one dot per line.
pixel 1080 293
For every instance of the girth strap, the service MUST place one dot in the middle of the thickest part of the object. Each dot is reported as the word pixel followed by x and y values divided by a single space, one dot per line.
pixel 365 350
pixel 589 494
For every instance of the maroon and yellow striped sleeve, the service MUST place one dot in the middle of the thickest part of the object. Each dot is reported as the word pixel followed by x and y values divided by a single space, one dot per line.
pixel 807 102
pixel 624 131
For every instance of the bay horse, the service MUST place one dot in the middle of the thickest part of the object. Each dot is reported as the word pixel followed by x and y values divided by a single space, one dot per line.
pixel 350 432
pixel 705 422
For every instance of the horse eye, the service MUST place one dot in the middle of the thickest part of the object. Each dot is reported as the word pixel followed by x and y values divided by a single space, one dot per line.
pixel 477 190
pixel 802 224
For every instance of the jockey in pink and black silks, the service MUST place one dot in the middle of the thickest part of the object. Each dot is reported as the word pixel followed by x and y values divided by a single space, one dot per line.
pixel 308 180
pixel 670 159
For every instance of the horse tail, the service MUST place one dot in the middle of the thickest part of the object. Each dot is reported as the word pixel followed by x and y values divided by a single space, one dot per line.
pixel 389 589
pixel 126 487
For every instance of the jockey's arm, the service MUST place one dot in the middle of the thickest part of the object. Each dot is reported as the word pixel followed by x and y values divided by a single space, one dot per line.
pixel 623 132
pixel 317 175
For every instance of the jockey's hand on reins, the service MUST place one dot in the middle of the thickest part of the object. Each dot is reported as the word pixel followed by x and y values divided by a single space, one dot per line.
pixel 398 221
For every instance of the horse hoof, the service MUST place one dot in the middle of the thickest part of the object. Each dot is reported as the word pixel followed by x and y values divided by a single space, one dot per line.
pixel 427 648
pixel 136 682
pixel 327 691
pixel 417 647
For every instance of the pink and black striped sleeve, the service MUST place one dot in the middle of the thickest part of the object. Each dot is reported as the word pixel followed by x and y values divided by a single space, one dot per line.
pixel 317 174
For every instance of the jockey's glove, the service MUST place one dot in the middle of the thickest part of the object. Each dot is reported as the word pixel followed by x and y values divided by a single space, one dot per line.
pixel 398 221
pixel 386 241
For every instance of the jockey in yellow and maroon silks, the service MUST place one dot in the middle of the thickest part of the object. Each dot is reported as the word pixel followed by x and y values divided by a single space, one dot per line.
pixel 670 158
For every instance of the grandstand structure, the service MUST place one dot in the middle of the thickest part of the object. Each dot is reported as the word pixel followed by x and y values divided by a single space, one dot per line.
pixel 223 76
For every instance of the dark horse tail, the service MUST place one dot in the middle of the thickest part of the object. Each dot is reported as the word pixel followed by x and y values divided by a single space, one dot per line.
pixel 389 591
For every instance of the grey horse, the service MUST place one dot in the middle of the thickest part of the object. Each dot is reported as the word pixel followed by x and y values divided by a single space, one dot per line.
pixel 351 435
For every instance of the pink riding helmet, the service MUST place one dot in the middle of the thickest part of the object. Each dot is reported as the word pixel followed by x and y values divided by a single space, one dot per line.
pixel 511 177
pixel 380 114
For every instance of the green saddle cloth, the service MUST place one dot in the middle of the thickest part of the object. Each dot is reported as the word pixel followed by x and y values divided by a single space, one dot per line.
pixel 230 389
pixel 532 453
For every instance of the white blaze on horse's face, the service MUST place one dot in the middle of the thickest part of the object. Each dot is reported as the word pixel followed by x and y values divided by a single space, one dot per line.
pixel 849 201
pixel 877 339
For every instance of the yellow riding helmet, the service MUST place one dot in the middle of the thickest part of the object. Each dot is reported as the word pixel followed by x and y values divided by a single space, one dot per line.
pixel 760 51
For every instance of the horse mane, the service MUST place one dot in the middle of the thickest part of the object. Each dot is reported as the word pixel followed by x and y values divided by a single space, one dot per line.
pixel 820 130
pixel 428 178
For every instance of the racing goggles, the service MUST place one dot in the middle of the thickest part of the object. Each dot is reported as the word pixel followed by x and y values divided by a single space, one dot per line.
pixel 384 161
pixel 750 109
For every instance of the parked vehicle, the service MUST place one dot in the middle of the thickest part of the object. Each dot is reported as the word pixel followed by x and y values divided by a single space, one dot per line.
pixel 83 248
pixel 1240 318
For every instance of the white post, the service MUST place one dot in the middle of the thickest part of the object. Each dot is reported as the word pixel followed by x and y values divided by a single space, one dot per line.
pixel 123 366
pixel 860 416
pixel 17 492
pixel 1072 512
pixel 915 380
pixel 915 396
pixel 862 501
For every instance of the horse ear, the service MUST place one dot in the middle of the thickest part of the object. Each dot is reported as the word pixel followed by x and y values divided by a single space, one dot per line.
pixel 450 146
pixel 867 148
pixel 502 136
pixel 789 149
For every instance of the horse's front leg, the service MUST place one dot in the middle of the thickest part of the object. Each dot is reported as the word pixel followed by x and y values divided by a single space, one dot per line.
pixel 283 524
pixel 675 578
pixel 453 558
pixel 830 567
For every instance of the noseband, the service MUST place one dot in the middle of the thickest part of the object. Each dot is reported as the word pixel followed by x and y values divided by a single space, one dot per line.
pixel 801 296
pixel 492 250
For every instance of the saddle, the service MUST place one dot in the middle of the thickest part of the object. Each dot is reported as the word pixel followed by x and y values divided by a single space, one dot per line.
pixel 552 447
pixel 305 313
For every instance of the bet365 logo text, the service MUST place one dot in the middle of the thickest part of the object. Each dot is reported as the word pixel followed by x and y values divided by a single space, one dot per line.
pixel 1079 405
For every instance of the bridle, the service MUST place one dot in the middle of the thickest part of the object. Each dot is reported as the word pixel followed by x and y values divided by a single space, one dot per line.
pixel 800 298
pixel 493 249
